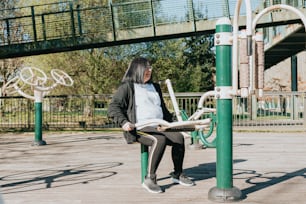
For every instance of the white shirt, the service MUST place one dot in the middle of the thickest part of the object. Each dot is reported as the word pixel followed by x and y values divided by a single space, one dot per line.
pixel 148 103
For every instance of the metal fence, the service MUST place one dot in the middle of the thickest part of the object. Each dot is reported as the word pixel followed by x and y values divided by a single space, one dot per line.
pixel 90 111
pixel 59 112
pixel 65 19
pixel 274 109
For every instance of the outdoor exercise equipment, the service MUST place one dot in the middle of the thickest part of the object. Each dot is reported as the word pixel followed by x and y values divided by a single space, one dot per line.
pixel 179 126
pixel 251 72
pixel 201 112
pixel 162 126
pixel 41 85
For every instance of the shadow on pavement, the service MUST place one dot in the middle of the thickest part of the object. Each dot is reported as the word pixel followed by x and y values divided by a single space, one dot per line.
pixel 56 177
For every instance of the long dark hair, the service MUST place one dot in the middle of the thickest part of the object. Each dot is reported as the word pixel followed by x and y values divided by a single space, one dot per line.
pixel 135 71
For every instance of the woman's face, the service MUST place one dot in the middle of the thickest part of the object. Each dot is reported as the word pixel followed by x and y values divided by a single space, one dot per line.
pixel 147 73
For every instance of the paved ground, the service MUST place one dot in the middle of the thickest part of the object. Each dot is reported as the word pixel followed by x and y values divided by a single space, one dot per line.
pixel 99 168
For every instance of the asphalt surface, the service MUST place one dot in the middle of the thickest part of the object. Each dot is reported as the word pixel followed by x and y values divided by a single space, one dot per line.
pixel 100 168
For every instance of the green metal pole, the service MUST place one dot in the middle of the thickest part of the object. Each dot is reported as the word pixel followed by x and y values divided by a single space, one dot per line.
pixel 38 119
pixel 294 87
pixel 294 74
pixel 144 161
pixel 224 113
pixel 224 191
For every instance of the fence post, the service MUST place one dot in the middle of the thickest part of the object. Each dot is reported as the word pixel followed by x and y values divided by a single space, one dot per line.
pixel 115 22
pixel 304 114
pixel 33 23
pixel 72 19
pixel 295 106
pixel 29 104
pixel 253 107
pixel 79 19
pixel 153 18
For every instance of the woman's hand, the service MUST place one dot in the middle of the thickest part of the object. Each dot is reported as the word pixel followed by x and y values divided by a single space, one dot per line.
pixel 128 126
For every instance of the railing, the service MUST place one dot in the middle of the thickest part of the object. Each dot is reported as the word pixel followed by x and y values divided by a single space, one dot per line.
pixel 90 112
pixel 73 25
pixel 274 109
pixel 59 112
pixel 72 19
pixel 69 19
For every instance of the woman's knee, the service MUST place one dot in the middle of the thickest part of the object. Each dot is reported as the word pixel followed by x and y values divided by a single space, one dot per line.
pixel 152 140
pixel 179 138
pixel 161 140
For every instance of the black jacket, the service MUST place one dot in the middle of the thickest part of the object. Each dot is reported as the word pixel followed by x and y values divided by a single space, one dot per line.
pixel 122 108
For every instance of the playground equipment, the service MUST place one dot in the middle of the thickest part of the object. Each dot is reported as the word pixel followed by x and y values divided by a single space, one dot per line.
pixel 200 112
pixel 163 125
pixel 41 85
pixel 251 72
pixel 194 124
pixel 251 82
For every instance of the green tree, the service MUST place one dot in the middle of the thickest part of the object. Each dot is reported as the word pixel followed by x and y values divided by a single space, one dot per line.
pixel 199 65
pixel 93 70
pixel 166 59
pixel 187 62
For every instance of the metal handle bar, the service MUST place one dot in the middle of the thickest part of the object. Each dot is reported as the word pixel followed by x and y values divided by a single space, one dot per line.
pixel 178 126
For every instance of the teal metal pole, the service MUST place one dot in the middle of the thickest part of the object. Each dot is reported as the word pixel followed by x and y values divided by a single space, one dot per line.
pixel 224 191
pixel 38 119
pixel 294 74
pixel 144 161
pixel 294 87
pixel 224 114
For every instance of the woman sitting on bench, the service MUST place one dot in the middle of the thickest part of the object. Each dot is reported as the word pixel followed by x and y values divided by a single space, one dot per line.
pixel 138 99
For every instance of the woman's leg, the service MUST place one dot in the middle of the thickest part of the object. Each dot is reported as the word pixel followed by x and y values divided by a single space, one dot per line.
pixel 157 142
pixel 176 140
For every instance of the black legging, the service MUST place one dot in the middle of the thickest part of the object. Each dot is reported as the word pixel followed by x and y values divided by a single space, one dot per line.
pixel 158 141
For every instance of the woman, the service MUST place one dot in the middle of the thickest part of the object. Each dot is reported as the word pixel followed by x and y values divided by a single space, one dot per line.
pixel 139 99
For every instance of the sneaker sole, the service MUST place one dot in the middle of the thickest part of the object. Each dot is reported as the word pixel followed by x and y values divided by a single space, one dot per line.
pixel 174 180
pixel 148 189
